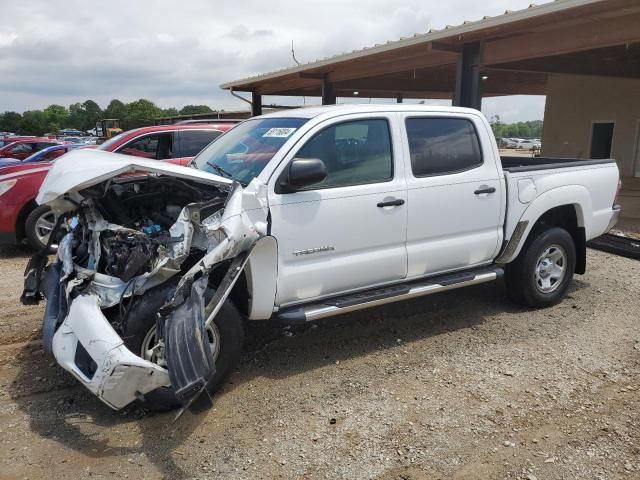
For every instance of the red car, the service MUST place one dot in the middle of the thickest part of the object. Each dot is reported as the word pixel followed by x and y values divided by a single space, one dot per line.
pixel 21 219
pixel 4 141
pixel 21 149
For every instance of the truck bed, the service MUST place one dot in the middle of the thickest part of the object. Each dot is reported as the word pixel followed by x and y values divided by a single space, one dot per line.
pixel 528 164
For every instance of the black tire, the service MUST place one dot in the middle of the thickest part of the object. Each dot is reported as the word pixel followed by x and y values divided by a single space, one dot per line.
pixel 520 279
pixel 31 227
pixel 230 326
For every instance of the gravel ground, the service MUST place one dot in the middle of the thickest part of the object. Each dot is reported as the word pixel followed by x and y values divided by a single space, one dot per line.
pixel 462 385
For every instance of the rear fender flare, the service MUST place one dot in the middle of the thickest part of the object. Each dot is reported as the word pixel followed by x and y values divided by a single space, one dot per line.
pixel 575 195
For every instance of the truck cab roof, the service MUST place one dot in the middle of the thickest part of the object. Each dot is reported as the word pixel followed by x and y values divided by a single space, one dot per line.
pixel 347 109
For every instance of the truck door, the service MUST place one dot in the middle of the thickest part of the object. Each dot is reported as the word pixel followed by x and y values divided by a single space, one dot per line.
pixel 348 231
pixel 454 194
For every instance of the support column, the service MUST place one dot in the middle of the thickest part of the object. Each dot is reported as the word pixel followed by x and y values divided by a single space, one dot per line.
pixel 399 98
pixel 256 104
pixel 468 77
pixel 328 93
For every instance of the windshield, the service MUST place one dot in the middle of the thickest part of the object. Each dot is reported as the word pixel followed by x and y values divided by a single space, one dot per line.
pixel 111 141
pixel 245 150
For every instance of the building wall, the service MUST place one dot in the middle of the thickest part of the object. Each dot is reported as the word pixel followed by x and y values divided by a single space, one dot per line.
pixel 574 102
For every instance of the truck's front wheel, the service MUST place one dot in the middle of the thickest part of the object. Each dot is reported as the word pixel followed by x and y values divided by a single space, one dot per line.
pixel 226 337
pixel 539 277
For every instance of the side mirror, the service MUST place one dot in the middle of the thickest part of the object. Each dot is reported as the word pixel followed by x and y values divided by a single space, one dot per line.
pixel 303 172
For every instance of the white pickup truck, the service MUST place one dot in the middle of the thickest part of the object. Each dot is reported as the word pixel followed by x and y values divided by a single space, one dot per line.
pixel 297 215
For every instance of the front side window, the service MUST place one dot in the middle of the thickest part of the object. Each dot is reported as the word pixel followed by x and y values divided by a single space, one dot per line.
pixel 106 146
pixel 193 141
pixel 442 145
pixel 157 146
pixel 244 151
pixel 23 148
pixel 355 153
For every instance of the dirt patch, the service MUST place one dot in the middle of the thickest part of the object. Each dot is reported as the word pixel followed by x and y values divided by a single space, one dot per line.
pixel 462 385
pixel 628 227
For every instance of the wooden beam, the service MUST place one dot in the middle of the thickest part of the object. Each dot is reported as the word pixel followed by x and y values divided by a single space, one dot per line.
pixel 508 83
pixel 360 69
pixel 315 76
pixel 446 47
pixel 623 62
pixel 274 87
pixel 615 31
pixel 425 94
pixel 390 65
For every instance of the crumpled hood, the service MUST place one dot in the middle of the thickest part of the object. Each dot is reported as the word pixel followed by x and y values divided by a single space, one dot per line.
pixel 84 168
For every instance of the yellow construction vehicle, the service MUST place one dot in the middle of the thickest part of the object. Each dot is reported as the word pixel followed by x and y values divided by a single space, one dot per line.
pixel 107 128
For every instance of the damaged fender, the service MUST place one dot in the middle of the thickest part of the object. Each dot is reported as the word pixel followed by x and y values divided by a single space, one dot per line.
pixel 188 356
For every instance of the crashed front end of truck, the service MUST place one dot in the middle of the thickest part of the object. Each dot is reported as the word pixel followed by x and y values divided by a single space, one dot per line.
pixel 140 241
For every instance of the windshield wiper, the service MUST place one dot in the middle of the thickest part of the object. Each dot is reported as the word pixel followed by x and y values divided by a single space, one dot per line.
pixel 221 171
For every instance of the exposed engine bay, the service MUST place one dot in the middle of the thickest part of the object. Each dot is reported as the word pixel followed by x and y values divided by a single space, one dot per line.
pixel 141 245
pixel 124 228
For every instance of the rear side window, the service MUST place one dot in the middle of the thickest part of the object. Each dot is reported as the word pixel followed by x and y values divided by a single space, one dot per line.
pixel 442 145
pixel 43 145
pixel 157 146
pixel 354 153
pixel 192 142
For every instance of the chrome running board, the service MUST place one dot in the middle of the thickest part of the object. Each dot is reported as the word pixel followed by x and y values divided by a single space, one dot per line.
pixel 381 296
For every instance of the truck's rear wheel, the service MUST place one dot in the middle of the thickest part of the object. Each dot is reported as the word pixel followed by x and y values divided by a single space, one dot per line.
pixel 539 277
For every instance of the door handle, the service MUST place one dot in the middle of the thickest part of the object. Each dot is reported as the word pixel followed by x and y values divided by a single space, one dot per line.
pixel 391 203
pixel 482 190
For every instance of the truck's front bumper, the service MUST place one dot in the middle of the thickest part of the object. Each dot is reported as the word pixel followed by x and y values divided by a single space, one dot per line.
pixel 86 345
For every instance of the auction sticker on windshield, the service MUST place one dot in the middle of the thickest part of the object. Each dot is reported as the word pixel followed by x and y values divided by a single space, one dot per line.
pixel 279 132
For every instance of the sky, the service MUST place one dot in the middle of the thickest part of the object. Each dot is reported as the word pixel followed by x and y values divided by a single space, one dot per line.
pixel 178 53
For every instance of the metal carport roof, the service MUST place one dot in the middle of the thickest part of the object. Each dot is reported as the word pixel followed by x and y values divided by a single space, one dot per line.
pixel 512 54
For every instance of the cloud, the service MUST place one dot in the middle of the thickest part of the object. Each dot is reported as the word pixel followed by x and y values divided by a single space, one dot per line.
pixel 242 32
pixel 177 54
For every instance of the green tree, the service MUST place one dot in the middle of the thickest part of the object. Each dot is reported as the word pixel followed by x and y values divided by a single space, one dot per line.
pixel 170 112
pixel 93 113
pixel 56 114
pixel 531 129
pixel 77 116
pixel 194 109
pixel 84 116
pixel 34 122
pixel 53 127
pixel 116 109
pixel 10 122
pixel 140 113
